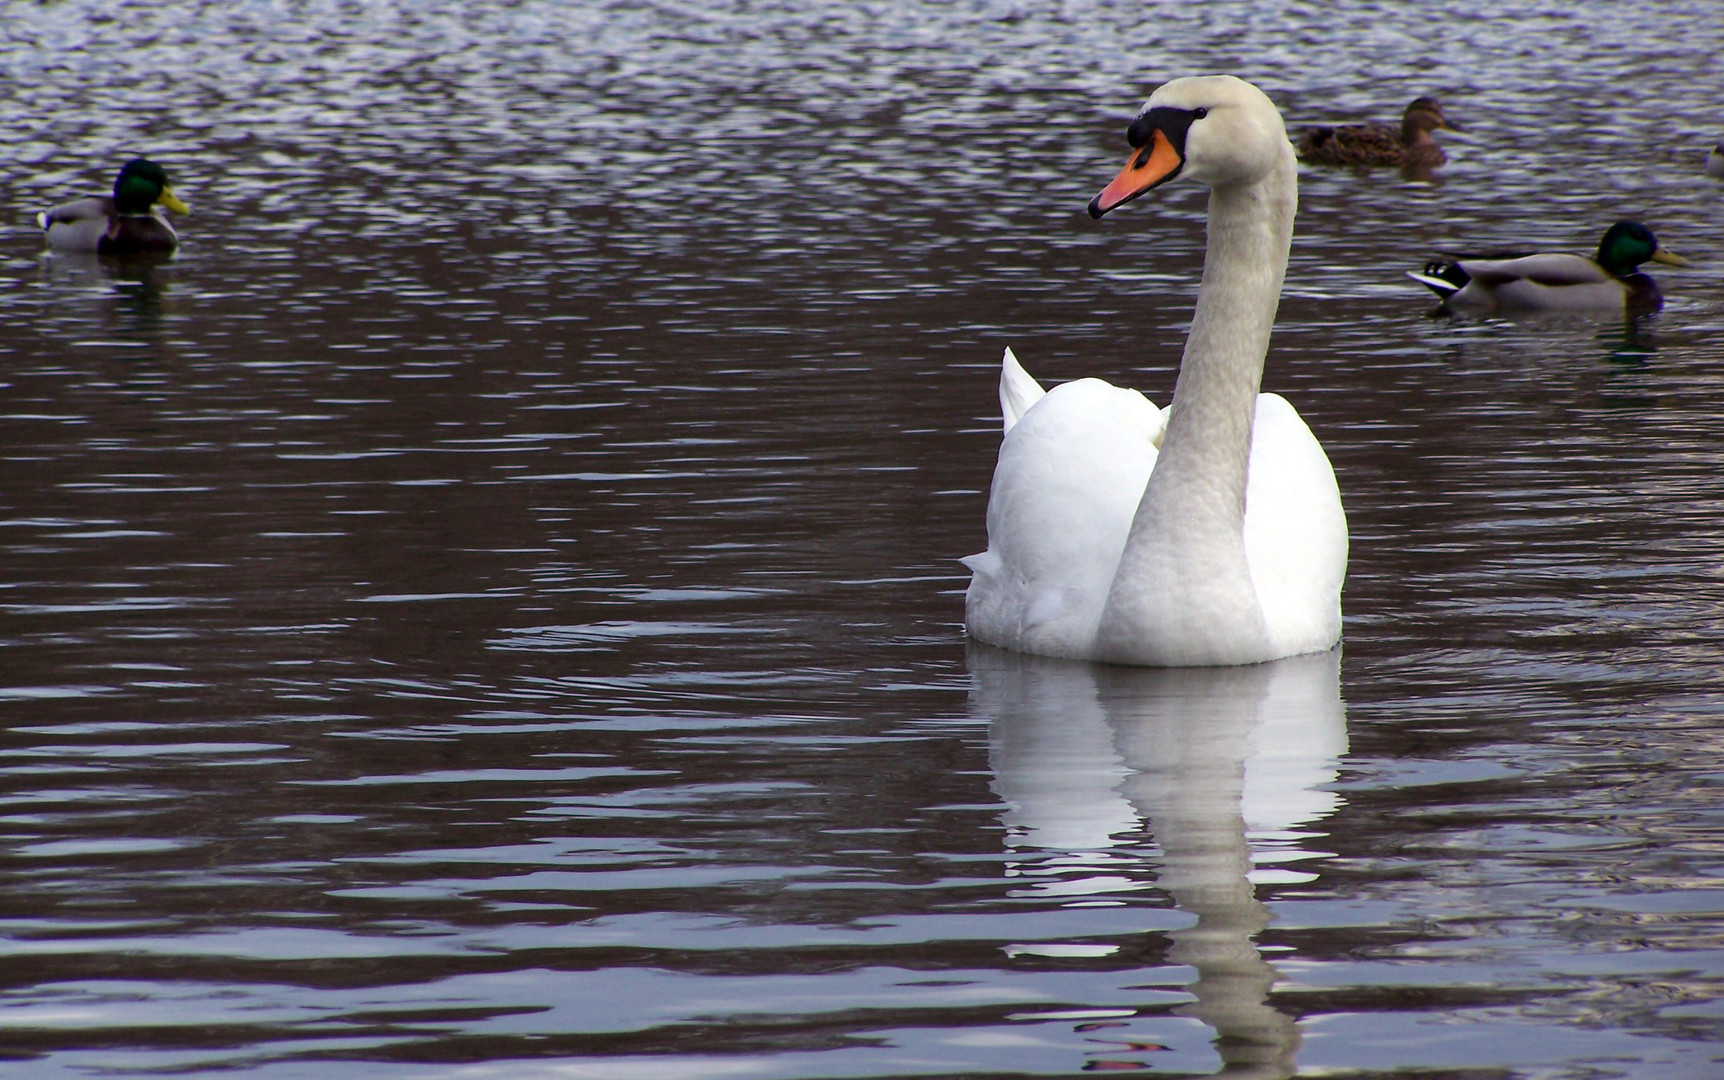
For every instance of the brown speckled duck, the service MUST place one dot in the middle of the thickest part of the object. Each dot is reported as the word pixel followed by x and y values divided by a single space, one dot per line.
pixel 1381 144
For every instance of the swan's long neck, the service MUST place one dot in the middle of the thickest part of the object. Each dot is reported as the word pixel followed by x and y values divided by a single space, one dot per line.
pixel 1183 578
pixel 1209 431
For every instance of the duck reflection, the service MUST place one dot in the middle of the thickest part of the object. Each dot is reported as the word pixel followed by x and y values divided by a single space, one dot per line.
pixel 1210 761
pixel 1630 345
pixel 138 284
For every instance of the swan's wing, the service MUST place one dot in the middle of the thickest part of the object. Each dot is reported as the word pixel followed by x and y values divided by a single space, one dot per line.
pixel 1069 478
pixel 1295 530
pixel 1018 391
pixel 1549 269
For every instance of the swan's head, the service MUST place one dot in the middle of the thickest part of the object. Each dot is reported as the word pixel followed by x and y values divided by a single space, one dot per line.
pixel 1214 129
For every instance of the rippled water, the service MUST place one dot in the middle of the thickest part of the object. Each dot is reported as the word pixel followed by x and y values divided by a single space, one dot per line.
pixel 488 607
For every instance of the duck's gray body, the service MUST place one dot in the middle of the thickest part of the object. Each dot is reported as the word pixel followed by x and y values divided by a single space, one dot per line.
pixel 93 225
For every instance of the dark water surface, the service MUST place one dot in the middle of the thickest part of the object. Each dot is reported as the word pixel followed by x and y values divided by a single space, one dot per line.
pixel 488 607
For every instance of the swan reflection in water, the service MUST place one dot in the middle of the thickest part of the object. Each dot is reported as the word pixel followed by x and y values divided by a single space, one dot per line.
pixel 1210 761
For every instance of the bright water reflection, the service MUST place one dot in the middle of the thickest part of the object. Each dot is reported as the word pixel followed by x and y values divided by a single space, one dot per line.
pixel 488 607
pixel 1213 771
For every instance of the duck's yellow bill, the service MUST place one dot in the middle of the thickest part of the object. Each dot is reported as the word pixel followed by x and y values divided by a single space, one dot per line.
pixel 1669 258
pixel 172 202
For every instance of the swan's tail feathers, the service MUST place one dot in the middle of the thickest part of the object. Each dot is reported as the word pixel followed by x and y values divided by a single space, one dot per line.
pixel 1018 391
pixel 1442 277
pixel 985 567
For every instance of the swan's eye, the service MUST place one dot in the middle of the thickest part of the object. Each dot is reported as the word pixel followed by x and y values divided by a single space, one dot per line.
pixel 1199 113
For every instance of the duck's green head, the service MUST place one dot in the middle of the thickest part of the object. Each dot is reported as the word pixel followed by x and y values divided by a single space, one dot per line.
pixel 1627 244
pixel 141 185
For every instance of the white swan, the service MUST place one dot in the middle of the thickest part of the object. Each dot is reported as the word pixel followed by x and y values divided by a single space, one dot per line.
pixel 1210 533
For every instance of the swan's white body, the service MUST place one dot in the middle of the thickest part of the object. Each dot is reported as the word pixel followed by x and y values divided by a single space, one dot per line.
pixel 1210 533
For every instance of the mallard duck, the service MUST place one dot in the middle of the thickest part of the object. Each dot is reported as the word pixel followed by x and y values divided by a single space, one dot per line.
pixel 125 223
pixel 1551 281
pixel 1207 534
pixel 1381 144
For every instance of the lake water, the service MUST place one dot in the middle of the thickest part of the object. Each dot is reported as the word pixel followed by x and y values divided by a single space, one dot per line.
pixel 489 606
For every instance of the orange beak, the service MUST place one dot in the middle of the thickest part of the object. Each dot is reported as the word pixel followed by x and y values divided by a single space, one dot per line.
pixel 1147 167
